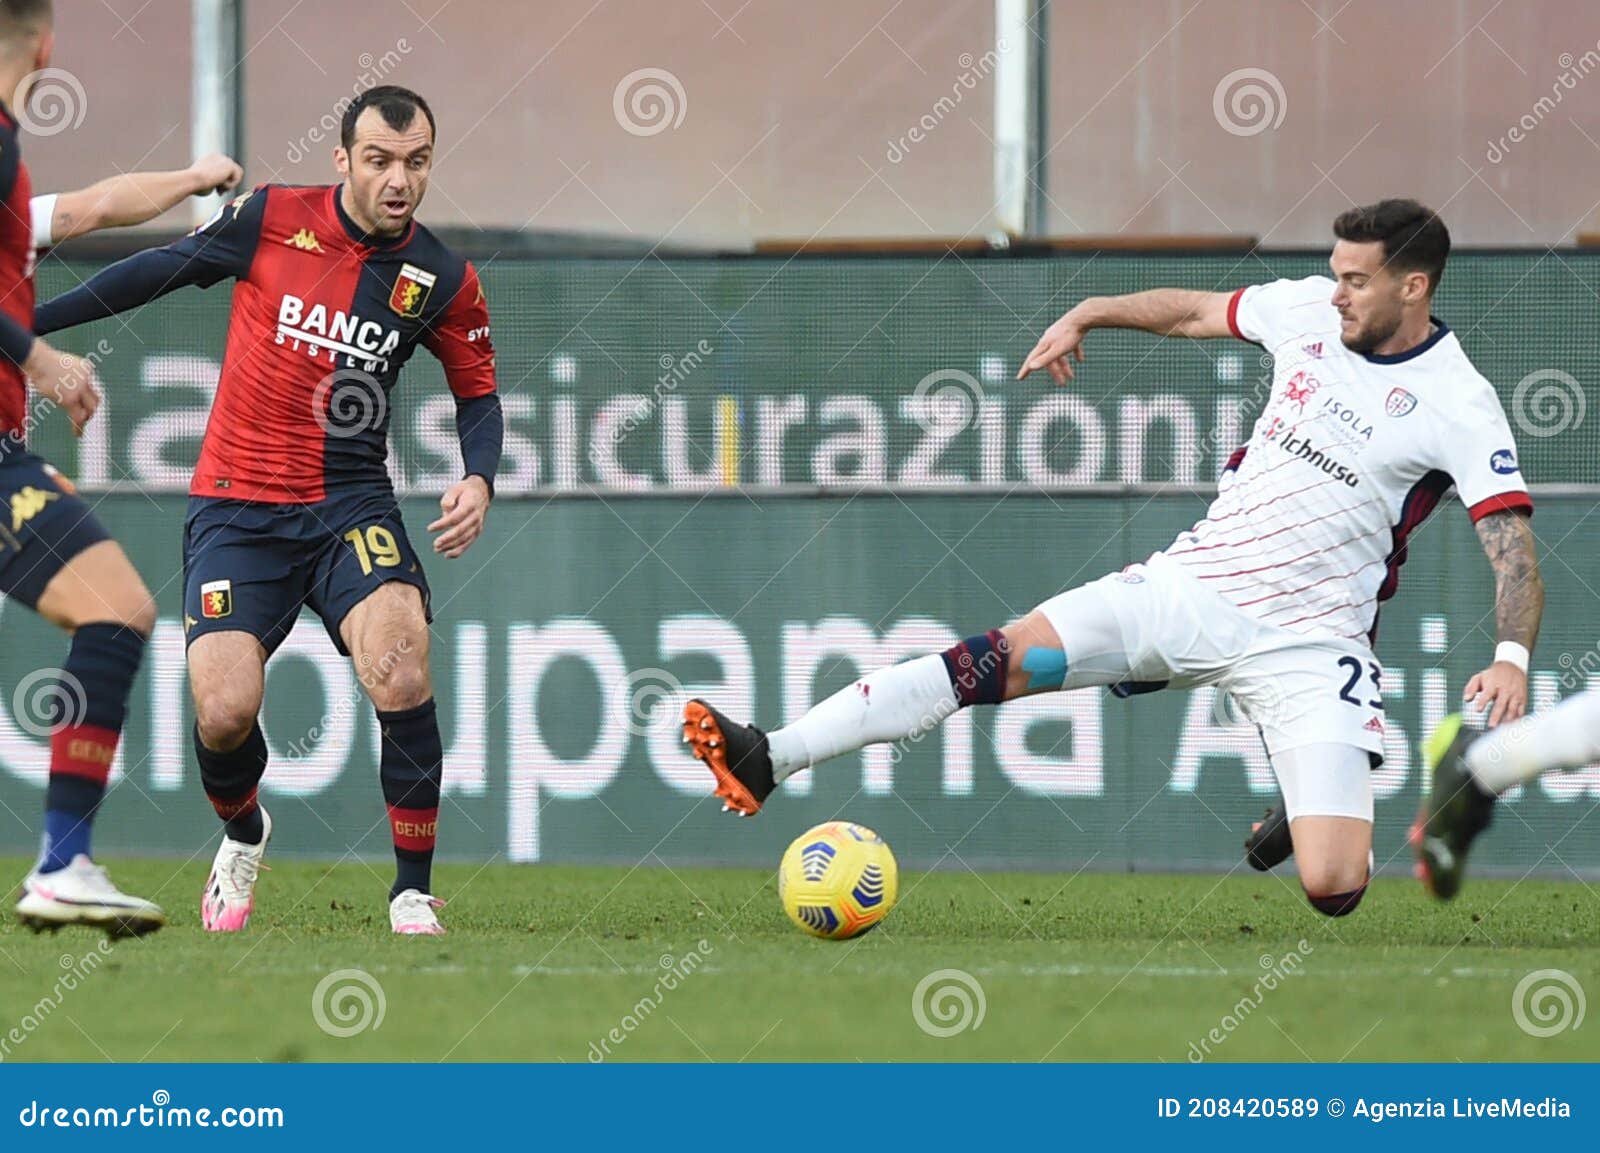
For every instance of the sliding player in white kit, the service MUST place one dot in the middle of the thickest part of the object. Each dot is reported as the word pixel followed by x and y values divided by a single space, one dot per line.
pixel 1273 597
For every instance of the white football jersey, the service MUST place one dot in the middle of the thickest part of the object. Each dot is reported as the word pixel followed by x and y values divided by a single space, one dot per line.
pixel 1350 455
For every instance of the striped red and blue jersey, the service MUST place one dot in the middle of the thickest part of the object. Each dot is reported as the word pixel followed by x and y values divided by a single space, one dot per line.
pixel 323 318
pixel 16 275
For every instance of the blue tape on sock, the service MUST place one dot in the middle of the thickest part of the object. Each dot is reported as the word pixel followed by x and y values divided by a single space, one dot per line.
pixel 1046 668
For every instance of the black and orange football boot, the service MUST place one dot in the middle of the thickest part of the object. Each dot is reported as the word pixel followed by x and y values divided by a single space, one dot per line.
pixel 736 755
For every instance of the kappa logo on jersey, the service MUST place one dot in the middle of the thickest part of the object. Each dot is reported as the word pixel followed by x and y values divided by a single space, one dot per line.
pixel 338 333
pixel 1504 462
pixel 1301 387
pixel 305 240
pixel 1312 350
pixel 27 503
pixel 1399 403
pixel 411 290
pixel 216 599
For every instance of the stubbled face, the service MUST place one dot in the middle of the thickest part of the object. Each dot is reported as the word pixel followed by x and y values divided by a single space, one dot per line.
pixel 1371 297
pixel 386 170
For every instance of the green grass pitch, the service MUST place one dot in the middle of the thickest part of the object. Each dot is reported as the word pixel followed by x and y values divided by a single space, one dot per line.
pixel 552 963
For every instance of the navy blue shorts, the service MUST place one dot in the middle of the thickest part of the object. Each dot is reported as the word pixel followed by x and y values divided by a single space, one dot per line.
pixel 250 566
pixel 43 523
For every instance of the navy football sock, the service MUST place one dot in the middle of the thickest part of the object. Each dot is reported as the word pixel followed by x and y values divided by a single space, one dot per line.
pixel 89 706
pixel 411 768
pixel 231 780
pixel 977 668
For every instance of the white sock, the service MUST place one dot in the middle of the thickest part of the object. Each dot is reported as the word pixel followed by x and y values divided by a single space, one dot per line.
pixel 1566 737
pixel 887 705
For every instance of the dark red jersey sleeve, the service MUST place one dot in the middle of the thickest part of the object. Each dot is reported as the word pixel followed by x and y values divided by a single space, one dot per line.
pixel 460 339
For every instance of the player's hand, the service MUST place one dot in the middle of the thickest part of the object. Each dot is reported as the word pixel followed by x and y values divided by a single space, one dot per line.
pixel 1502 685
pixel 215 173
pixel 464 506
pixel 67 381
pixel 1062 341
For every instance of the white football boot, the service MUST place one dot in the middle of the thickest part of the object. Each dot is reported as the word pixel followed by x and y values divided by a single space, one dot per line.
pixel 414 914
pixel 230 892
pixel 82 894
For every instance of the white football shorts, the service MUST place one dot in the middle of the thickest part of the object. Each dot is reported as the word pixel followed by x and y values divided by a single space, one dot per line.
pixel 1154 625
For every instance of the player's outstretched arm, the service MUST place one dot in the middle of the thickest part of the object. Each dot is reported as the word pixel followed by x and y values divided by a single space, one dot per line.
pixel 1164 311
pixel 131 198
pixel 1518 605
pixel 223 247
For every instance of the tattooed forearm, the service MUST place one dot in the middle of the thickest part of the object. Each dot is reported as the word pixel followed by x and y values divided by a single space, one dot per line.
pixel 1518 589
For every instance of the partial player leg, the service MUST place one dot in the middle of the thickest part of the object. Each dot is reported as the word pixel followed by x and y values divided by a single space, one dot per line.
pixel 1327 794
pixel 97 596
pixel 227 678
pixel 387 637
pixel 912 698
pixel 1470 770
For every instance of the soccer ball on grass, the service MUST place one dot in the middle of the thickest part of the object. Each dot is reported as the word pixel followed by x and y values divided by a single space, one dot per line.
pixel 837 880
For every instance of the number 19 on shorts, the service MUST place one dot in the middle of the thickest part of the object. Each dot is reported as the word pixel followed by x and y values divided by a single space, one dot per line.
pixel 374 545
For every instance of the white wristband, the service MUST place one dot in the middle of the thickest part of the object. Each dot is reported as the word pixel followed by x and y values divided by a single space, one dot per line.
pixel 1513 652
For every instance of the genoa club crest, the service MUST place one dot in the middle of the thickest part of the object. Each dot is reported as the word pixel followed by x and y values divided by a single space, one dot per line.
pixel 1399 403
pixel 216 599
pixel 411 290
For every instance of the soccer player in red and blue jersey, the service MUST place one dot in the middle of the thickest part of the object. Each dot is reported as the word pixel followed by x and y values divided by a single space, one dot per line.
pixel 291 502
pixel 55 557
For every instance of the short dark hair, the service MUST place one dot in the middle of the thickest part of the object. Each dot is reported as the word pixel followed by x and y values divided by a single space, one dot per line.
pixel 1414 239
pixel 20 16
pixel 398 106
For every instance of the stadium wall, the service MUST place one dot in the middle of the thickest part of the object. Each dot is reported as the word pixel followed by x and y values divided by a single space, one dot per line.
pixel 842 119
pixel 753 478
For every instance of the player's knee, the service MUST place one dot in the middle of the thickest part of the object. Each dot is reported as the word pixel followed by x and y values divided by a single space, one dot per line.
pixel 224 721
pixel 141 614
pixel 1340 904
pixel 403 686
pixel 1335 885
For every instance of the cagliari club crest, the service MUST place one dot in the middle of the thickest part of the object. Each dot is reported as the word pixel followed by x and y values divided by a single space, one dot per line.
pixel 1399 402
pixel 411 290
